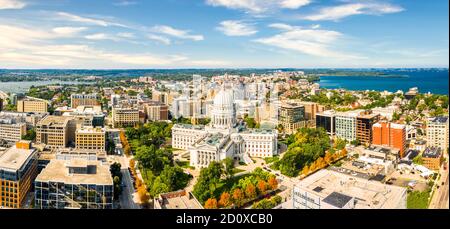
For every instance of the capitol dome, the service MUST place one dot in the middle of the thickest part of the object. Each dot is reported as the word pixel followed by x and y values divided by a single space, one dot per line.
pixel 224 98
pixel 224 113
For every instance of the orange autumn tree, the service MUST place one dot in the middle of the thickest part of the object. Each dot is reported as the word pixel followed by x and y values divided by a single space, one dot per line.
pixel 305 170
pixel 262 186
pixel 273 183
pixel 143 195
pixel 250 191
pixel 328 158
pixel 238 197
pixel 225 200
pixel 211 203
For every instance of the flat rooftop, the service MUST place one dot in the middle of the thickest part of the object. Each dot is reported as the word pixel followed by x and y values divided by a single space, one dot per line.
pixel 439 119
pixel 91 130
pixel 432 152
pixel 14 159
pixel 368 194
pixel 180 202
pixel 51 120
pixel 57 171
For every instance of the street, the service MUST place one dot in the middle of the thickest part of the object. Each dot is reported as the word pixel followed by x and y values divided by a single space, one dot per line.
pixel 440 198
pixel 126 198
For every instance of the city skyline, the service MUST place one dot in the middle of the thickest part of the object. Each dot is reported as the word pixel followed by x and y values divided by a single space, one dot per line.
pixel 223 34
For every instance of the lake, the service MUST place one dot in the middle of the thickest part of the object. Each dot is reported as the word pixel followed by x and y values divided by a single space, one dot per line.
pixel 434 81
pixel 22 87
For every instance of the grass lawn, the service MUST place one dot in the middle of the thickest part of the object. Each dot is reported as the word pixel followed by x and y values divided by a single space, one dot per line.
pixel 271 159
pixel 418 200
pixel 236 170
pixel 184 164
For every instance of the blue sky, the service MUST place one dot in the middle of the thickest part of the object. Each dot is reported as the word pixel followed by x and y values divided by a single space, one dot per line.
pixel 110 34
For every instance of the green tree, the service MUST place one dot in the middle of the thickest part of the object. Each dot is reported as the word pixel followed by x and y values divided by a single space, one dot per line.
pixel 228 164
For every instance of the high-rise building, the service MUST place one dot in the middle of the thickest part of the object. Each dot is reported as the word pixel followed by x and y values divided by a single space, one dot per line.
pixel 84 100
pixel 364 123
pixel 32 105
pixel 327 121
pixel 74 184
pixel 92 115
pixel 391 135
pixel 90 138
pixel 292 116
pixel 156 111
pixel 18 169
pixel 346 125
pixel 311 109
pixel 123 117
pixel 437 132
pixel 56 131
pixel 11 130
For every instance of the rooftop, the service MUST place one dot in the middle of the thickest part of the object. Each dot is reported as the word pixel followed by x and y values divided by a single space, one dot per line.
pixel 337 187
pixel 51 120
pixel 57 171
pixel 91 130
pixel 432 152
pixel 439 119
pixel 14 158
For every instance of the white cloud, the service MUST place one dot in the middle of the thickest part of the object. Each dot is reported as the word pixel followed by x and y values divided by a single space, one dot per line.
pixel 12 4
pixel 125 3
pixel 100 36
pixel 68 31
pixel 258 6
pixel 126 35
pixel 335 13
pixel 25 47
pixel 236 28
pixel 315 26
pixel 182 34
pixel 312 42
pixel 159 39
pixel 87 20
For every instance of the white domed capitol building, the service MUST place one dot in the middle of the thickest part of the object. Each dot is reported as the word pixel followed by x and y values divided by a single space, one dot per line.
pixel 224 136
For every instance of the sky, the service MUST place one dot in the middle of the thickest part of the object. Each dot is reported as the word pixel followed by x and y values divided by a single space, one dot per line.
pixel 158 34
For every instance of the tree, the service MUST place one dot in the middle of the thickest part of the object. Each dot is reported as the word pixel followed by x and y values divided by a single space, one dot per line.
pixel 228 167
pixel 262 186
pixel 207 181
pixel 225 199
pixel 273 183
pixel 328 158
pixel 305 170
pixel 30 135
pixel 143 195
pixel 250 191
pixel 211 203
pixel 115 170
pixel 238 197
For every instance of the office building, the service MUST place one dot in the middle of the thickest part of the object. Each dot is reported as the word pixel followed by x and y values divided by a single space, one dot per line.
pixel 327 189
pixel 432 158
pixel 18 169
pixel 156 111
pixel 56 131
pixel 346 125
pixel 364 123
pixel 84 100
pixel 92 115
pixel 437 133
pixel 292 117
pixel 11 130
pixel 124 117
pixel 32 105
pixel 327 121
pixel 92 138
pixel 74 184
pixel 391 135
